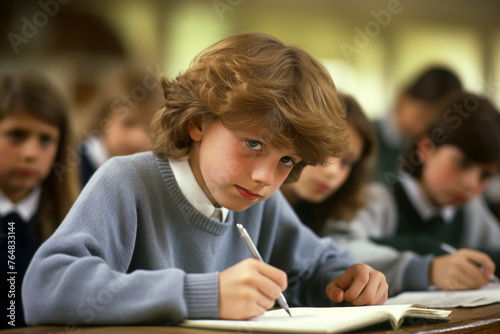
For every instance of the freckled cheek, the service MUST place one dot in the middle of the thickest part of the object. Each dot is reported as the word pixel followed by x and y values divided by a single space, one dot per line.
pixel 234 167
pixel 223 170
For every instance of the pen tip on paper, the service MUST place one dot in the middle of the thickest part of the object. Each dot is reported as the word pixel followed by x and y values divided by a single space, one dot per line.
pixel 288 311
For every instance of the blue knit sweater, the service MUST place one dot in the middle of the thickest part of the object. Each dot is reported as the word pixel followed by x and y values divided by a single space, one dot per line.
pixel 133 250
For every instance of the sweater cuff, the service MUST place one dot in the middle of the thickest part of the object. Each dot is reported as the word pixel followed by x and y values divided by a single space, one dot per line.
pixel 201 292
pixel 416 275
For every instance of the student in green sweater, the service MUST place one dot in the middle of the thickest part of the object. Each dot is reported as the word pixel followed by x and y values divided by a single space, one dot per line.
pixel 435 200
pixel 152 239
pixel 337 201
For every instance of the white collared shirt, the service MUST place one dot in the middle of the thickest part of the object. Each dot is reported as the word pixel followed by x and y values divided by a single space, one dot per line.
pixel 421 203
pixel 96 151
pixel 25 208
pixel 193 192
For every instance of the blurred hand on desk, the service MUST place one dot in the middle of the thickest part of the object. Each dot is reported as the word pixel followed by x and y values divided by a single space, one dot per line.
pixel 462 270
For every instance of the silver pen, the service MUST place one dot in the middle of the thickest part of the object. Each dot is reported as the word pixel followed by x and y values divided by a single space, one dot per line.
pixel 255 253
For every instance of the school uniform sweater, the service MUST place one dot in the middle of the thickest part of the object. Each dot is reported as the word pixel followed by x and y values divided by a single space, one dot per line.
pixel 20 236
pixel 405 263
pixel 424 236
pixel 133 250
pixel 390 146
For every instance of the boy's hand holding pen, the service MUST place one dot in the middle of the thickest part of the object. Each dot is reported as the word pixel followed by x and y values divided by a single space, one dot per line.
pixel 461 269
pixel 249 288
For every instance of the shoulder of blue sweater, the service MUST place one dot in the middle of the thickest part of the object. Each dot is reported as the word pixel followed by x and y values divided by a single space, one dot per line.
pixel 136 160
pixel 125 167
pixel 137 157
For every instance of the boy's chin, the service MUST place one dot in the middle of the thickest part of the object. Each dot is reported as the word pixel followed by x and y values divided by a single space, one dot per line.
pixel 237 206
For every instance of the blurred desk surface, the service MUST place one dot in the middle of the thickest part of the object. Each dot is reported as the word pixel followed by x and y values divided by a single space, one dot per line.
pixel 485 319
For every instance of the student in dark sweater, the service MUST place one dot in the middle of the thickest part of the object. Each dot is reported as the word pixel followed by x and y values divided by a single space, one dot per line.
pixel 37 182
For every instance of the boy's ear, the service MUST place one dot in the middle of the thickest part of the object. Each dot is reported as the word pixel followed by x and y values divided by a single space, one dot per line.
pixel 425 147
pixel 195 129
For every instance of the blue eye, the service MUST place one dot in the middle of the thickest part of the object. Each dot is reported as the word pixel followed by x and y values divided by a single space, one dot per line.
pixel 254 145
pixel 288 161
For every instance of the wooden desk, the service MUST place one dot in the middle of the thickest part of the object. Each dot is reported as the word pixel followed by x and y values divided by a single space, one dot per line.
pixel 484 319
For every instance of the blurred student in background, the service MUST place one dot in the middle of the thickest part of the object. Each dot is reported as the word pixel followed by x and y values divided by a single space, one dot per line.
pixel 121 119
pixel 336 191
pixel 319 199
pixel 37 182
pixel 435 201
pixel 329 199
pixel 411 115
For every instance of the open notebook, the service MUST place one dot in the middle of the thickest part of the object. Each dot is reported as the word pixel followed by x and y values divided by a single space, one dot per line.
pixel 467 298
pixel 323 319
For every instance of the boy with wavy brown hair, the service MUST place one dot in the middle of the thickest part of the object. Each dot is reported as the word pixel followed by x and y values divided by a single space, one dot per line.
pixel 155 232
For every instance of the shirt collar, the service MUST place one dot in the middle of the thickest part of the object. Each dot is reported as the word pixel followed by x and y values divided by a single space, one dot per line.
pixel 26 208
pixel 96 151
pixel 193 192
pixel 421 203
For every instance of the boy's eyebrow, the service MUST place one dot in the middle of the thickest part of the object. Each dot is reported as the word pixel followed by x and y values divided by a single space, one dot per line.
pixel 296 156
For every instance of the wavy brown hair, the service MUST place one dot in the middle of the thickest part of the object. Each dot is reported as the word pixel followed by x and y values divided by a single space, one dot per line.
pixel 254 81
pixel 33 93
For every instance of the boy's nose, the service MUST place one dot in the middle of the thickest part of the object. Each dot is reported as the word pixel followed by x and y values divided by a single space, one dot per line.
pixel 263 173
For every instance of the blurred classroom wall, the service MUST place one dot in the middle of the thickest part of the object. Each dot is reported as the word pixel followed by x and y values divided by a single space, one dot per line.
pixel 371 48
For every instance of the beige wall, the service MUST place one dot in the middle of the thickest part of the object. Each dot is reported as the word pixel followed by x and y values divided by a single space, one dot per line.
pixel 370 47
